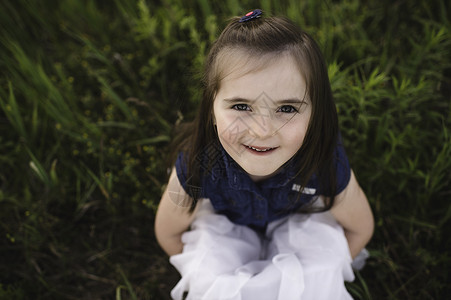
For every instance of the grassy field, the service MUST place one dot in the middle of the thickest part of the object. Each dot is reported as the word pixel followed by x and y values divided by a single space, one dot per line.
pixel 91 90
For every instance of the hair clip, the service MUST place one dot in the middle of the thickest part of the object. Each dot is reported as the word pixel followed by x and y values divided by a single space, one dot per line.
pixel 255 14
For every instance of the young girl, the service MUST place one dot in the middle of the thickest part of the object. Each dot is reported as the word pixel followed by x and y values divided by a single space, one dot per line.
pixel 262 202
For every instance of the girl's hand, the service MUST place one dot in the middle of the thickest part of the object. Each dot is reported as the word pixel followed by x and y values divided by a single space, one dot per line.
pixel 352 210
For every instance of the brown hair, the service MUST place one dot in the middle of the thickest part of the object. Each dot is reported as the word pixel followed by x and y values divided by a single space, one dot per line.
pixel 270 37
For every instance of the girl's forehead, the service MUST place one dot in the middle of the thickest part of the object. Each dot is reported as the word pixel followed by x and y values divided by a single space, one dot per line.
pixel 277 78
pixel 235 62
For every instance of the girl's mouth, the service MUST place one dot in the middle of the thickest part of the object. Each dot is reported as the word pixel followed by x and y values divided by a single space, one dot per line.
pixel 260 149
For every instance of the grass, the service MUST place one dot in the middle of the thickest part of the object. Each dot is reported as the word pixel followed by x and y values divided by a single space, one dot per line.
pixel 90 92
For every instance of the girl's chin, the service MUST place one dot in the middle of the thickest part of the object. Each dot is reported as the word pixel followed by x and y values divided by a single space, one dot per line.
pixel 259 176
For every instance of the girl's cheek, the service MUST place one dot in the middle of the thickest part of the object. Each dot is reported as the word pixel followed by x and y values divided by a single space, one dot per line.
pixel 231 127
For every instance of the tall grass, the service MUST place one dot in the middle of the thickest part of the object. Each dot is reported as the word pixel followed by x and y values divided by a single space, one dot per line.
pixel 90 92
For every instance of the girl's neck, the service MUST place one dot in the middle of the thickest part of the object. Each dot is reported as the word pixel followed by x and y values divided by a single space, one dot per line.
pixel 258 179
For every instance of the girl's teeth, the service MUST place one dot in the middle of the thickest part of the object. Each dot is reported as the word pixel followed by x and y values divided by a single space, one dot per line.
pixel 259 150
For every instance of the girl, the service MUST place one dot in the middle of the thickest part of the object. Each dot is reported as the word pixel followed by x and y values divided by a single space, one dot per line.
pixel 262 180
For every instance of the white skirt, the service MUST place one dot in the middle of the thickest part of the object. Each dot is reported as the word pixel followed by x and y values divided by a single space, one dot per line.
pixel 299 257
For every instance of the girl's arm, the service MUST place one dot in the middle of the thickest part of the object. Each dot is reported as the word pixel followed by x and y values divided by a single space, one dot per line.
pixel 352 210
pixel 173 218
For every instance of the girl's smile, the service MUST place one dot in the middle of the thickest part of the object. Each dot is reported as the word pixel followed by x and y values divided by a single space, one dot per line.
pixel 260 150
pixel 262 116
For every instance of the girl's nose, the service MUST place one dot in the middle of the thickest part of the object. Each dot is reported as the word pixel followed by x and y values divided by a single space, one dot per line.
pixel 261 127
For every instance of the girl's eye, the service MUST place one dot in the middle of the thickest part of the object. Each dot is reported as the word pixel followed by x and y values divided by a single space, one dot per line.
pixel 288 109
pixel 241 107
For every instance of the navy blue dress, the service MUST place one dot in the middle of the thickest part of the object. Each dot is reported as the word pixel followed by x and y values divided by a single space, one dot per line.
pixel 233 193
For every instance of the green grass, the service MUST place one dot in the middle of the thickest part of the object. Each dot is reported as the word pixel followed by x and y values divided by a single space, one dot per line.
pixel 90 92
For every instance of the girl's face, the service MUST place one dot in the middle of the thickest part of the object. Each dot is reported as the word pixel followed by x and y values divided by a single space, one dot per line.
pixel 263 116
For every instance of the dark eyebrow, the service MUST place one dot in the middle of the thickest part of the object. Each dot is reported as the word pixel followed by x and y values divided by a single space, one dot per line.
pixel 290 101
pixel 235 100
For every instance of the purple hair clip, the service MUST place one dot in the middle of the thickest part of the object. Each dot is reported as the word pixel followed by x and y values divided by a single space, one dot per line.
pixel 255 14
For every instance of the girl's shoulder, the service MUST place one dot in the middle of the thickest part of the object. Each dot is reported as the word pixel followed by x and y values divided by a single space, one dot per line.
pixel 342 166
pixel 201 170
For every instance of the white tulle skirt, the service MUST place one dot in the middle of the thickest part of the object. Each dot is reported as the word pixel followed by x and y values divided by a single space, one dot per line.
pixel 299 257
